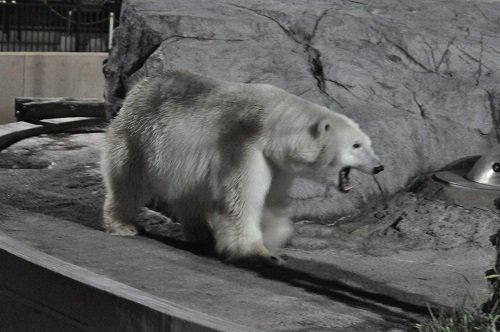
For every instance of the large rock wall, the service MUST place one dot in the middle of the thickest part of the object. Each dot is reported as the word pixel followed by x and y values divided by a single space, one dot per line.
pixel 421 77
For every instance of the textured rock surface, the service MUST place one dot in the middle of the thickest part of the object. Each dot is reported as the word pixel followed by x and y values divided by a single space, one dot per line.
pixel 420 77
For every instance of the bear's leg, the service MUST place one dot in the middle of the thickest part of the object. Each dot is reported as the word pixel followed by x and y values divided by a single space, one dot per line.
pixel 277 228
pixel 125 194
pixel 118 216
pixel 236 221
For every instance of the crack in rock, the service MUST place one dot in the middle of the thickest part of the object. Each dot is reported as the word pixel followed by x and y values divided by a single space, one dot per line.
pixel 480 61
pixel 445 54
pixel 423 112
pixel 403 53
pixel 315 64
pixel 431 50
pixel 313 54
pixel 259 13
pixel 344 86
pixel 408 56
pixel 179 37
pixel 139 63
pixel 495 112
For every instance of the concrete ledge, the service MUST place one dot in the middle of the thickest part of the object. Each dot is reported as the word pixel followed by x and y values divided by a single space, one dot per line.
pixel 16 131
pixel 33 110
pixel 40 292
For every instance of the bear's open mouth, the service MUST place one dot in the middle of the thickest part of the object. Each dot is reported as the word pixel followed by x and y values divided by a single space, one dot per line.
pixel 344 183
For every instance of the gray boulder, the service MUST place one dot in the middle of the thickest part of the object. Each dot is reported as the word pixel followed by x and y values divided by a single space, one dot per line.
pixel 422 78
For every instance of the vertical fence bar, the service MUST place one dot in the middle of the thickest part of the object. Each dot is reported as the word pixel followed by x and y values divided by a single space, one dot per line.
pixel 2 9
pixel 51 30
pixel 26 10
pixel 34 44
pixel 94 33
pixel 27 26
pixel 43 27
pixel 17 19
pixel 46 31
pixel 90 32
pixel 9 24
pixel 2 14
pixel 4 26
pixel 5 40
pixel 36 28
pixel 33 28
pixel 86 39
pixel 85 29
pixel 39 38
pixel 68 32
pixel 111 29
pixel 12 27
pixel 7 29
pixel 21 29
pixel 2 40
pixel 78 23
pixel 57 27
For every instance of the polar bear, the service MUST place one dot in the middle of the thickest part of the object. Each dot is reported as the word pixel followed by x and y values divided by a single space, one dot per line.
pixel 224 155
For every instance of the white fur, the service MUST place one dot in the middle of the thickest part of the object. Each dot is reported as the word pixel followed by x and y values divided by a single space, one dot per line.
pixel 241 235
pixel 277 228
pixel 224 155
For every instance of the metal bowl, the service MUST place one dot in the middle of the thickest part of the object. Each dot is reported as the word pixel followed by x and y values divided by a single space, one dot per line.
pixel 487 169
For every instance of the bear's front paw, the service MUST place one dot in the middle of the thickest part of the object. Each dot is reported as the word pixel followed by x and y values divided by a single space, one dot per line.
pixel 122 230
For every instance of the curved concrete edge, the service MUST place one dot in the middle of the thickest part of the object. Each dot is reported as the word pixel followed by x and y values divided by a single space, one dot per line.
pixel 43 293
pixel 16 131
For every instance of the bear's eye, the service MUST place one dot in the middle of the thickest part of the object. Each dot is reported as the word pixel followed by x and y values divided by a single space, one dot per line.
pixel 356 146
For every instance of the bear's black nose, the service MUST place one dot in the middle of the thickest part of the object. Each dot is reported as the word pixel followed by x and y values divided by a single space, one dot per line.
pixel 378 169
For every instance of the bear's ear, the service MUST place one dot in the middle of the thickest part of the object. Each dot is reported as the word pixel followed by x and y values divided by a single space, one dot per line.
pixel 320 128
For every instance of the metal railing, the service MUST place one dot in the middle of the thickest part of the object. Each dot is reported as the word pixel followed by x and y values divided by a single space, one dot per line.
pixel 57 27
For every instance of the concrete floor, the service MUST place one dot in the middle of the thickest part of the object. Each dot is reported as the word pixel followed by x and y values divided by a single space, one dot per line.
pixel 376 272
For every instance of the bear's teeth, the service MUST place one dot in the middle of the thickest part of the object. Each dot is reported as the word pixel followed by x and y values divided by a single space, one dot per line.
pixel 347 187
pixel 344 183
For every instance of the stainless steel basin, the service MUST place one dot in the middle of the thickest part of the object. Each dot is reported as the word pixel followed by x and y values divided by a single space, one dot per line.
pixel 471 182
pixel 482 173
pixel 487 169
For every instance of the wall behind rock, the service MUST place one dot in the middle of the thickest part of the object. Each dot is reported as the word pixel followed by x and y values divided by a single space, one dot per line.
pixel 48 74
pixel 422 78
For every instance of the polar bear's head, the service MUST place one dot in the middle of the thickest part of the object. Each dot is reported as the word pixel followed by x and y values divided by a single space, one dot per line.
pixel 336 145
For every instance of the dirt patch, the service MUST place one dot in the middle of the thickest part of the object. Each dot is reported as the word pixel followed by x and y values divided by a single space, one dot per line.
pixel 408 221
